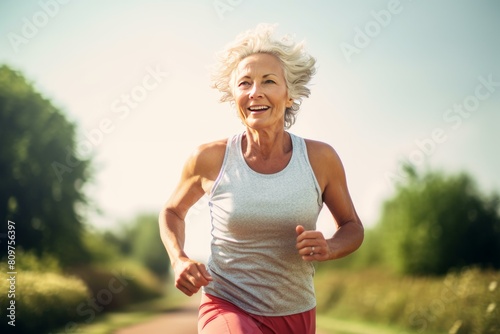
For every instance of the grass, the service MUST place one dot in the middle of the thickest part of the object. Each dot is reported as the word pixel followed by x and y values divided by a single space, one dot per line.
pixel 139 313
pixel 463 302
pixel 369 301
pixel 338 326
pixel 134 314
pixel 143 312
pixel 330 325
pixel 42 300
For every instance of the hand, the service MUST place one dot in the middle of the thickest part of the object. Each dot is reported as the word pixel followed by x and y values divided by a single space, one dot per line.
pixel 190 276
pixel 312 245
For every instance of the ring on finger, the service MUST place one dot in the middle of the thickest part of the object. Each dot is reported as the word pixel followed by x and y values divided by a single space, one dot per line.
pixel 312 251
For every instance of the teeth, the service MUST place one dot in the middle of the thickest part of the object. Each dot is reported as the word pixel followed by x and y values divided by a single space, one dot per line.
pixel 258 108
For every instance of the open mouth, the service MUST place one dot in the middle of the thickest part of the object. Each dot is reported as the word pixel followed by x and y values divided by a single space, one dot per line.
pixel 258 108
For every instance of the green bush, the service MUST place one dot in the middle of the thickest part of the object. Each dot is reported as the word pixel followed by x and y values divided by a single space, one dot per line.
pixel 28 261
pixel 48 297
pixel 137 239
pixel 41 191
pixel 460 302
pixel 367 256
pixel 115 285
pixel 436 222
pixel 100 250
pixel 147 246
pixel 42 301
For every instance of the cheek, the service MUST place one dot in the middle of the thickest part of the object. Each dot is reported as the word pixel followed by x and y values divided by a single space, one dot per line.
pixel 240 109
pixel 239 96
pixel 240 106
pixel 282 93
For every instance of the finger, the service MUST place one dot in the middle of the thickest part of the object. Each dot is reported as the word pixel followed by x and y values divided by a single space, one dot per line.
pixel 186 288
pixel 305 250
pixel 189 277
pixel 198 275
pixel 299 229
pixel 198 279
pixel 308 257
pixel 317 251
pixel 301 235
pixel 192 285
pixel 204 272
pixel 311 250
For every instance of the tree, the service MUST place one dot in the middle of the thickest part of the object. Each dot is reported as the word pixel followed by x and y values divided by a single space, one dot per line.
pixel 146 244
pixel 436 222
pixel 140 240
pixel 37 143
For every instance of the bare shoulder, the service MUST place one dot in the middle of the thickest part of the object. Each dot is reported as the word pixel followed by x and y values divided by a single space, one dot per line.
pixel 321 152
pixel 325 162
pixel 206 161
pixel 207 151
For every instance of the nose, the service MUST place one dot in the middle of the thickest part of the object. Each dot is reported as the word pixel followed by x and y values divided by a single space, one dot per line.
pixel 255 92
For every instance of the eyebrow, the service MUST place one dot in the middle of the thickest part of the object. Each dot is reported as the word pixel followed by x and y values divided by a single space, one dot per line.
pixel 264 76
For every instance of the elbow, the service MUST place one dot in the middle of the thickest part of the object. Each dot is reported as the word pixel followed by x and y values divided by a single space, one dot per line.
pixel 169 216
pixel 162 215
pixel 360 233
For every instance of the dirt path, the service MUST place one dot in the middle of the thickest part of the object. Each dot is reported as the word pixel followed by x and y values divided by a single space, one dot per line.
pixel 183 320
pixel 179 321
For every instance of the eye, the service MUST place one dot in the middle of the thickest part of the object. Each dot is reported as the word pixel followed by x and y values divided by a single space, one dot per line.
pixel 244 84
pixel 269 81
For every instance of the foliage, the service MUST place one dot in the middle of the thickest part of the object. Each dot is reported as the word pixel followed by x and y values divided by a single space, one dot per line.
pixel 460 302
pixel 119 283
pixel 35 137
pixel 128 279
pixel 41 191
pixel 367 256
pixel 49 297
pixel 43 301
pixel 147 246
pixel 100 250
pixel 436 222
pixel 140 240
pixel 28 261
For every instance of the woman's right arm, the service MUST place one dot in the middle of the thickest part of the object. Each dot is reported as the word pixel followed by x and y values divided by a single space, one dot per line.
pixel 198 175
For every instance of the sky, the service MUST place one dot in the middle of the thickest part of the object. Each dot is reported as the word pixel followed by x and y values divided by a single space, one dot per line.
pixel 415 81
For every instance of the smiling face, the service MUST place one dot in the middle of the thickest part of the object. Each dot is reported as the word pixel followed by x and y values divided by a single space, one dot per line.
pixel 260 91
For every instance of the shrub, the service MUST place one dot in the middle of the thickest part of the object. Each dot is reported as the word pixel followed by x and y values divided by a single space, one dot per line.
pixel 28 261
pixel 115 285
pixel 99 249
pixel 437 222
pixel 460 302
pixel 43 301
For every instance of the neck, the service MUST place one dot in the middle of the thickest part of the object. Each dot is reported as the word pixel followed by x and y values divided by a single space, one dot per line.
pixel 266 144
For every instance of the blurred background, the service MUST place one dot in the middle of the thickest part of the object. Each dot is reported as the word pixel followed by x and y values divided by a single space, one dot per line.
pixel 102 102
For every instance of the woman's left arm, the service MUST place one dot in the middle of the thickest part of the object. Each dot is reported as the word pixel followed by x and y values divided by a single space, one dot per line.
pixel 349 235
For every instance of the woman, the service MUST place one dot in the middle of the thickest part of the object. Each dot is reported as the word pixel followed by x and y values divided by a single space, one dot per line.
pixel 266 188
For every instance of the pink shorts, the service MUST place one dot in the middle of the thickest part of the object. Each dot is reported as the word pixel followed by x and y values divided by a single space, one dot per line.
pixel 218 316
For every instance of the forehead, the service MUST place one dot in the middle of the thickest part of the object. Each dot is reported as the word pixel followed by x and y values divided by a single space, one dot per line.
pixel 260 64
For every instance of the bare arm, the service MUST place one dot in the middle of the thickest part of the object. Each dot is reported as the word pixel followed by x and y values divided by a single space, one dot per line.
pixel 171 220
pixel 197 176
pixel 349 235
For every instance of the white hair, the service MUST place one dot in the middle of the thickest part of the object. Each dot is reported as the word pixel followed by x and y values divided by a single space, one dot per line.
pixel 298 66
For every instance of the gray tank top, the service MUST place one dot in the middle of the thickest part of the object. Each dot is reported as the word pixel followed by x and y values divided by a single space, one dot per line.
pixel 254 262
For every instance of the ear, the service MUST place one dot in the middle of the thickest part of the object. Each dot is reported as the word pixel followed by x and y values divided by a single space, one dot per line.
pixel 289 103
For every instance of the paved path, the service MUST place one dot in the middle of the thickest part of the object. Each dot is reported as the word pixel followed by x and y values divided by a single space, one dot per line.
pixel 179 321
